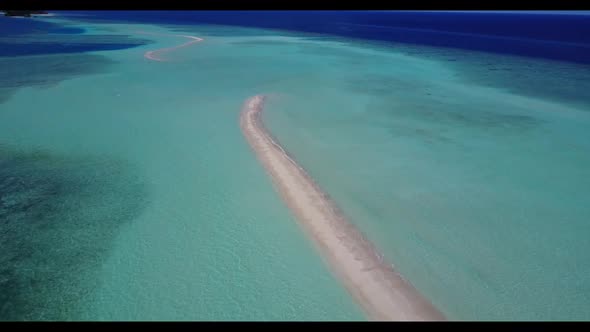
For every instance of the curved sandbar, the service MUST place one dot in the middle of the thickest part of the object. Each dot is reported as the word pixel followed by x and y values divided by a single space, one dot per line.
pixel 381 292
pixel 155 54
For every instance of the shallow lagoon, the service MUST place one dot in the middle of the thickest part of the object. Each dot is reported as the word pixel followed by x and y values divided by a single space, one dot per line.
pixel 472 185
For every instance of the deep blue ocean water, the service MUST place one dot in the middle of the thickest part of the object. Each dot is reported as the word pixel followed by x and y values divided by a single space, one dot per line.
pixel 558 36
pixel 19 37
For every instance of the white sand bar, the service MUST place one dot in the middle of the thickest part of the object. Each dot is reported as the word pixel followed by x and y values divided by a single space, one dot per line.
pixel 380 291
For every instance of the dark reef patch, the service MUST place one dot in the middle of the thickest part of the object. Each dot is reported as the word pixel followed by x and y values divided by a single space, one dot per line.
pixel 445 117
pixel 218 30
pixel 557 81
pixel 350 57
pixel 403 107
pixel 383 85
pixel 262 43
pixel 546 79
pixel 46 70
pixel 58 219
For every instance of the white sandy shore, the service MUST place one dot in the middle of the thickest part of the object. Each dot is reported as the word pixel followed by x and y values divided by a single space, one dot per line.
pixel 381 292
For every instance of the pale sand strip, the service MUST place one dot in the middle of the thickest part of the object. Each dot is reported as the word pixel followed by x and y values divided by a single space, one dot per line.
pixel 154 55
pixel 381 292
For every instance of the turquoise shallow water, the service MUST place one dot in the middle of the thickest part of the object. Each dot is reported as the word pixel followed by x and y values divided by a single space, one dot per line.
pixel 477 192
pixel 207 239
pixel 473 184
